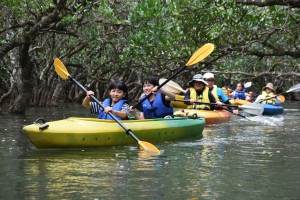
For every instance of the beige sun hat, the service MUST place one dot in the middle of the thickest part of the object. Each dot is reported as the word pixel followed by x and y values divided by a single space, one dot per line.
pixel 270 86
pixel 197 77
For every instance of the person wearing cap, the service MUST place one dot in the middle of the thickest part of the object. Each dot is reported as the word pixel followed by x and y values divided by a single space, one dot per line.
pixel 216 91
pixel 268 95
pixel 240 93
pixel 199 92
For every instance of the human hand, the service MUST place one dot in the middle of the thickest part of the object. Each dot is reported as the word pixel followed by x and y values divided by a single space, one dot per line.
pixel 89 93
pixel 154 90
pixel 219 103
pixel 108 109
pixel 192 101
pixel 235 112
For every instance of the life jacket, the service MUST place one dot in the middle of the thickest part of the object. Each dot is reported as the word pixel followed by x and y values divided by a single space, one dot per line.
pixel 117 106
pixel 214 92
pixel 265 98
pixel 240 94
pixel 157 109
pixel 226 91
pixel 203 97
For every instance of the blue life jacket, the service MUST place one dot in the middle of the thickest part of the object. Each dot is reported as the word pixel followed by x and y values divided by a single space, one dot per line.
pixel 157 109
pixel 117 106
pixel 240 94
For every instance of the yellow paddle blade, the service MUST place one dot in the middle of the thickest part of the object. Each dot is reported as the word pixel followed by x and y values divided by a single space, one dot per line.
pixel 150 148
pixel 282 98
pixel 200 54
pixel 60 69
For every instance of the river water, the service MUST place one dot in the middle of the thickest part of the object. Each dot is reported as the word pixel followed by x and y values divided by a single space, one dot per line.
pixel 236 160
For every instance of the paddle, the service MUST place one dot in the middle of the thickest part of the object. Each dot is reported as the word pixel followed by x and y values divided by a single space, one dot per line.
pixel 251 108
pixel 199 55
pixel 238 114
pixel 295 88
pixel 64 74
pixel 171 86
pixel 247 85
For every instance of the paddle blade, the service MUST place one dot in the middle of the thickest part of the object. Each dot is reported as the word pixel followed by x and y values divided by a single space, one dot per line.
pixel 247 85
pixel 282 98
pixel 150 148
pixel 253 108
pixel 295 88
pixel 60 69
pixel 200 54
pixel 171 86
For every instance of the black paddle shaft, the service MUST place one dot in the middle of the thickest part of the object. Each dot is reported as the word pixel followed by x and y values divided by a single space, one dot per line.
pixel 127 130
pixel 160 86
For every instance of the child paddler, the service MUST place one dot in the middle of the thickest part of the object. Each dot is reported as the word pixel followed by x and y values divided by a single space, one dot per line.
pixel 116 104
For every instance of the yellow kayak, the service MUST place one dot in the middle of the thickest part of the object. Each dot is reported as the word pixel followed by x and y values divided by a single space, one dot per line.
pixel 90 132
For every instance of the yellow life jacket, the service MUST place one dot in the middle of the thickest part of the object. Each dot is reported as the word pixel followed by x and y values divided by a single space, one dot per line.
pixel 226 91
pixel 214 92
pixel 265 98
pixel 201 98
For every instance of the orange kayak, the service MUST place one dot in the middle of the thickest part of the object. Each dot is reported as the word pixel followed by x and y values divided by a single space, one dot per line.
pixel 211 117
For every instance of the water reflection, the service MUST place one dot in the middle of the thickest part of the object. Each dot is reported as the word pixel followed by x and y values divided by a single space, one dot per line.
pixel 236 160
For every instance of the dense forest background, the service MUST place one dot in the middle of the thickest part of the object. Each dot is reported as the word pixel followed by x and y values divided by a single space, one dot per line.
pixel 101 40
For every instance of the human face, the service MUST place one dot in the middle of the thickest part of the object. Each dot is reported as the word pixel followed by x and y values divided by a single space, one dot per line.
pixel 210 82
pixel 116 94
pixel 198 85
pixel 147 88
pixel 268 90
pixel 239 87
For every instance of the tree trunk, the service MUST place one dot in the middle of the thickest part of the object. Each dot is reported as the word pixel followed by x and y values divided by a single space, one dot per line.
pixel 21 102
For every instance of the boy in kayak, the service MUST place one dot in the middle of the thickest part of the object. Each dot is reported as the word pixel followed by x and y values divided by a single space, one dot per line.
pixel 116 104
pixel 240 93
pixel 216 91
pixel 199 92
pixel 268 95
pixel 158 105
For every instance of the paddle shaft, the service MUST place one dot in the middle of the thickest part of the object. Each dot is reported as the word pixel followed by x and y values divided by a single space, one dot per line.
pixel 235 113
pixel 160 86
pixel 205 103
pixel 127 130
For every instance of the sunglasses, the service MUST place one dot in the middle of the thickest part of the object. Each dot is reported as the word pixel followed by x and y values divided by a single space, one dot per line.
pixel 210 80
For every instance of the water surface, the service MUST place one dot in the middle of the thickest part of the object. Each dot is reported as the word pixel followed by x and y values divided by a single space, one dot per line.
pixel 236 160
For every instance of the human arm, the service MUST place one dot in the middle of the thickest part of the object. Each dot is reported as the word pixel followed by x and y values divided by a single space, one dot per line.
pixel 123 113
pixel 257 100
pixel 86 100
pixel 187 97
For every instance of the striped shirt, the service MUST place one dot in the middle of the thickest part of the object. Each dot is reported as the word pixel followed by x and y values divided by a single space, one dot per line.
pixel 96 108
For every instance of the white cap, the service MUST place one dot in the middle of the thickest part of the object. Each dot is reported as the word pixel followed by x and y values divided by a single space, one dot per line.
pixel 208 75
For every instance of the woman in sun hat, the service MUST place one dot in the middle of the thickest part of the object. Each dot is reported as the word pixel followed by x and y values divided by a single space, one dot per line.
pixel 268 95
pixel 199 92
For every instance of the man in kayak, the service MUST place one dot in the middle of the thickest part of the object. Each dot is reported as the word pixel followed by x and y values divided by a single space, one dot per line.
pixel 216 91
pixel 158 105
pixel 199 92
pixel 116 104
pixel 268 95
